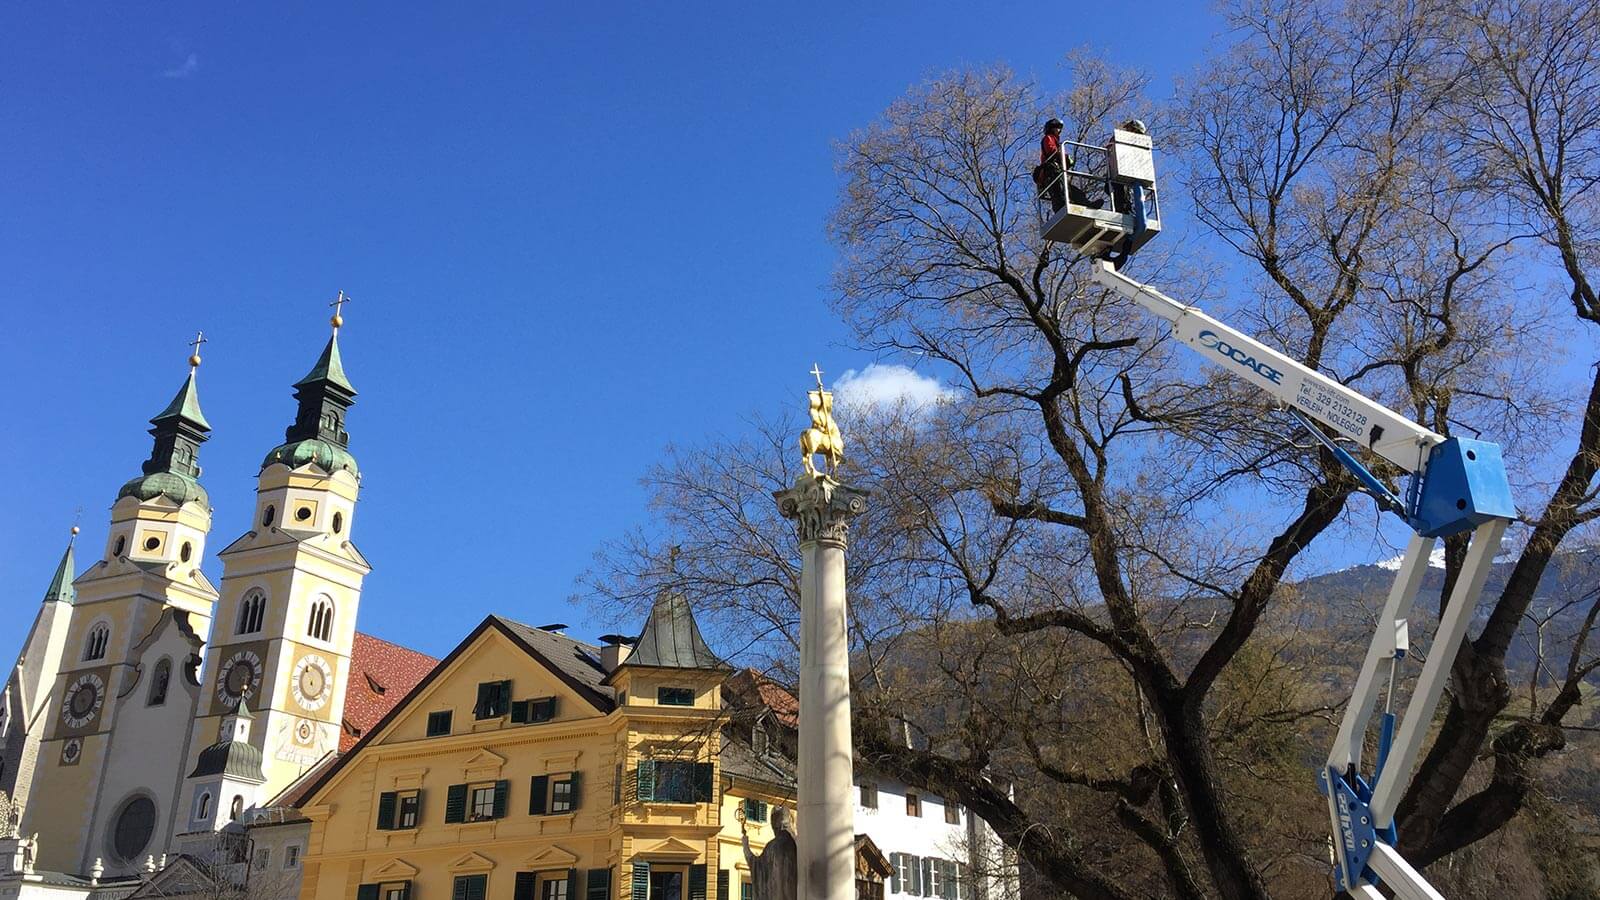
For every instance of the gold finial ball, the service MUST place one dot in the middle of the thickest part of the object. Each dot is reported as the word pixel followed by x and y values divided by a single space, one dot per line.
pixel 74 529
pixel 194 360
pixel 337 320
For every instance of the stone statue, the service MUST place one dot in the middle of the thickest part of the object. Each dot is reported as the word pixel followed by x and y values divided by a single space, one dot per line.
pixel 775 874
pixel 823 436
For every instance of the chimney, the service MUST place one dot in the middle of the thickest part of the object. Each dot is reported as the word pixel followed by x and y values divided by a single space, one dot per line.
pixel 615 651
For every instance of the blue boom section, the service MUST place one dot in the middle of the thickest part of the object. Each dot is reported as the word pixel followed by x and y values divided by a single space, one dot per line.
pixel 1463 486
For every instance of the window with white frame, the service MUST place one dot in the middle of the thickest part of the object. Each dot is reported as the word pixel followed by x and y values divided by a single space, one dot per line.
pixel 291 856
pixel 482 805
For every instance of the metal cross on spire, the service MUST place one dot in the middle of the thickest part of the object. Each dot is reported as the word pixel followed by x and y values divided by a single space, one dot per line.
pixel 817 373
pixel 194 352
pixel 338 311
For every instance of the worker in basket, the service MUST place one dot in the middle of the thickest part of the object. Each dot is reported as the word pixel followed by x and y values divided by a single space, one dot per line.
pixel 1050 176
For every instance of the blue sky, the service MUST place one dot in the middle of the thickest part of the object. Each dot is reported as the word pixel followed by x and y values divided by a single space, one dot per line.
pixel 572 236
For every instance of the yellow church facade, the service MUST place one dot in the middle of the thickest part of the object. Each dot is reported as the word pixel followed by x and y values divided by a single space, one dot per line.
pixel 530 766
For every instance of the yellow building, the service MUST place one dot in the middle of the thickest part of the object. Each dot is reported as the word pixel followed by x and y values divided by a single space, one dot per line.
pixel 531 766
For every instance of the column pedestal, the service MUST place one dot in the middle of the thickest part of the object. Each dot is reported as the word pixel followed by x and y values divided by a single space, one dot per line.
pixel 821 508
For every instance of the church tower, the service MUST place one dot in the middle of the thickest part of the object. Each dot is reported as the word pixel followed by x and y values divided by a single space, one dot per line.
pixel 122 698
pixel 290 589
pixel 24 707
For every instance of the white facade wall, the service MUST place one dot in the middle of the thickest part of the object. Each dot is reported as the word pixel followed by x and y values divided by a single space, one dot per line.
pixel 908 840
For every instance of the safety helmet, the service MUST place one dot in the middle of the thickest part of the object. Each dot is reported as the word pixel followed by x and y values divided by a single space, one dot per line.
pixel 1054 122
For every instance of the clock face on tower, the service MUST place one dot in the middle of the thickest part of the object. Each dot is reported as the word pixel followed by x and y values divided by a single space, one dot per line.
pixel 240 674
pixel 312 679
pixel 84 698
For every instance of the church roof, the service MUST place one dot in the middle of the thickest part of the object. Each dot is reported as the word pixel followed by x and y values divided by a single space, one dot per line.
pixel 185 405
pixel 329 368
pixel 381 674
pixel 234 759
pixel 61 585
pixel 671 639
pixel 174 464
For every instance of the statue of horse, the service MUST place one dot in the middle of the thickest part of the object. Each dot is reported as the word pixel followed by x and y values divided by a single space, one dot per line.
pixel 823 436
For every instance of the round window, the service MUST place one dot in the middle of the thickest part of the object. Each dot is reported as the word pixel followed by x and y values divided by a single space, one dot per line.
pixel 133 827
pixel 185 551
pixel 151 543
pixel 303 513
pixel 338 522
pixel 268 514
pixel 122 544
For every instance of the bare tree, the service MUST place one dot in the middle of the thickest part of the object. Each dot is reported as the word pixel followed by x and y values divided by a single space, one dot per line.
pixel 1084 554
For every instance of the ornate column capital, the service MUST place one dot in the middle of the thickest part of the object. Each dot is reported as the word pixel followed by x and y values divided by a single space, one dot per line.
pixel 821 508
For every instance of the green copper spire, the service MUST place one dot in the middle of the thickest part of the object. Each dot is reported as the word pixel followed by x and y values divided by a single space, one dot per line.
pixel 61 588
pixel 325 395
pixel 179 430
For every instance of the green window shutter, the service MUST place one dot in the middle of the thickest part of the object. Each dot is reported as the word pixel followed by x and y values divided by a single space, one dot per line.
pixel 538 790
pixel 542 709
pixel 697 883
pixel 577 788
pixel 915 864
pixel 599 885
pixel 641 881
pixel 927 876
pixel 747 891
pixel 386 811
pixel 894 874
pixel 527 884
pixel 405 891
pixel 455 806
pixel 505 696
pixel 367 892
pixel 647 783
pixel 458 888
pixel 485 697
pixel 705 778
pixel 722 884
pixel 520 711
pixel 477 887
pixel 502 791
pixel 572 884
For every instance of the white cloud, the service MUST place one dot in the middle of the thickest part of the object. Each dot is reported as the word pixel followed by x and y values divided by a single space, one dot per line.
pixel 888 385
pixel 190 65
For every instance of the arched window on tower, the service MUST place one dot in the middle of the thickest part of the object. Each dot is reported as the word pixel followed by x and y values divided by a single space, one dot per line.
pixel 321 624
pixel 159 681
pixel 237 809
pixel 202 807
pixel 95 646
pixel 252 611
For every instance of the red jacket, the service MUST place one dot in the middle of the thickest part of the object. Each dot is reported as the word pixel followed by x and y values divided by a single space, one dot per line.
pixel 1049 148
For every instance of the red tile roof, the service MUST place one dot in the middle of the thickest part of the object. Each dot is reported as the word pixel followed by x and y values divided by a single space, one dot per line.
pixel 381 675
pixel 749 686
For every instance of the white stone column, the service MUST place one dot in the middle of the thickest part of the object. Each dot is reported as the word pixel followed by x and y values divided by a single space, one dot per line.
pixel 822 508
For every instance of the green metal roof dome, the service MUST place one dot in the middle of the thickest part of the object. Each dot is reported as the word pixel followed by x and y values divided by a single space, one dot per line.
pixel 180 489
pixel 331 457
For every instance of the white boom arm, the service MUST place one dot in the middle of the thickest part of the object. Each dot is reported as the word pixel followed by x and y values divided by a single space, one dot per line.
pixel 1372 425
pixel 1362 815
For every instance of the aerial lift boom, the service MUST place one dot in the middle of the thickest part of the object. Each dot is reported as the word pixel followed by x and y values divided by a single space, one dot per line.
pixel 1456 485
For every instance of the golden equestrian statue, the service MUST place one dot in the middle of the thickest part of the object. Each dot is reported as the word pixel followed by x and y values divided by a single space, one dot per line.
pixel 823 436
